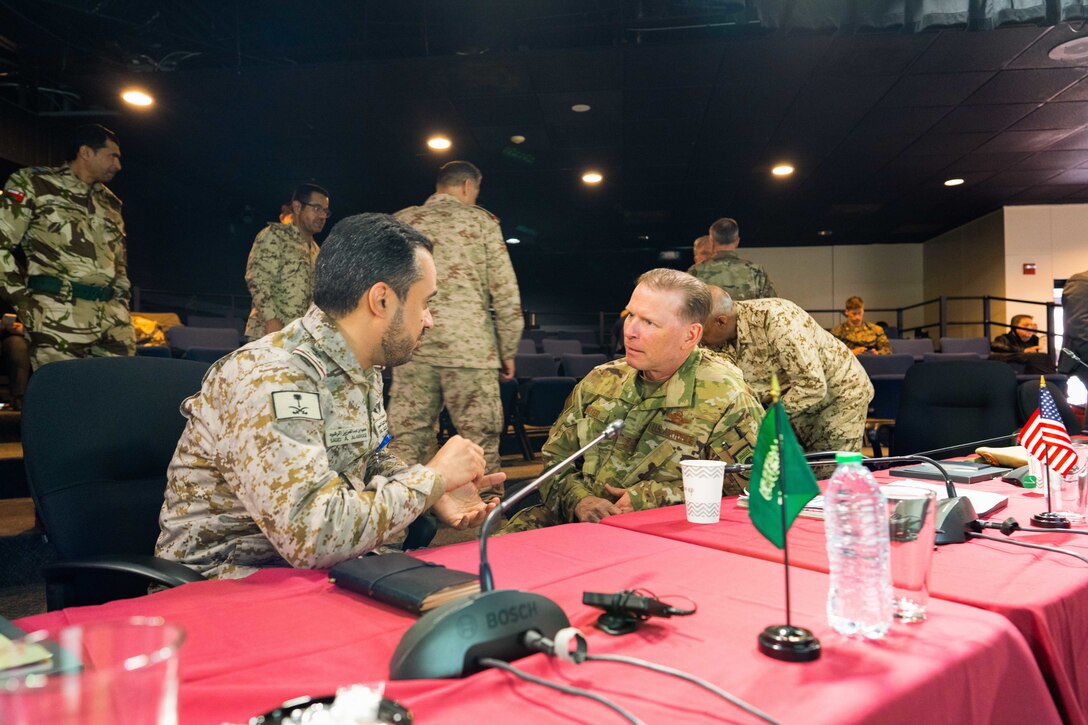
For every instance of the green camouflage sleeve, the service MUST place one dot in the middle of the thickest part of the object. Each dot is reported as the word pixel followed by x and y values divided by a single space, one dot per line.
pixel 505 296
pixel 571 431
pixel 16 211
pixel 798 355
pixel 766 289
pixel 279 469
pixel 121 282
pixel 264 273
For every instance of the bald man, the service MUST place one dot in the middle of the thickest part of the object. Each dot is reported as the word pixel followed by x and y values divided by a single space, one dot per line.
pixel 825 390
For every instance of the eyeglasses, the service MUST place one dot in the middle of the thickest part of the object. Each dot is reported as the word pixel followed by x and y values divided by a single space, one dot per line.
pixel 318 209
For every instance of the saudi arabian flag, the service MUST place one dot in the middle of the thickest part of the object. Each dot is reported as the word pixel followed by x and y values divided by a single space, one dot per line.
pixel 779 466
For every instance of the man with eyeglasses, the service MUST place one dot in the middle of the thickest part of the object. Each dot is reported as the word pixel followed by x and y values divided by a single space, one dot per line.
pixel 280 271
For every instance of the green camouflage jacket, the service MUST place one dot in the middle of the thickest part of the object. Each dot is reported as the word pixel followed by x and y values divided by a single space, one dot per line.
pixel 279 463
pixel 705 410
pixel 869 336
pixel 280 276
pixel 475 275
pixel 743 280
pixel 68 229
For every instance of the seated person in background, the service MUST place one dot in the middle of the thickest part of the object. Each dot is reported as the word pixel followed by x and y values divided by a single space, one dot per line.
pixel 825 390
pixel 676 400
pixel 860 336
pixel 283 460
pixel 14 359
pixel 1021 345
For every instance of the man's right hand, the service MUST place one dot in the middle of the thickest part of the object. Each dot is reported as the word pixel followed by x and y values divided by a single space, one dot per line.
pixel 459 462
pixel 592 509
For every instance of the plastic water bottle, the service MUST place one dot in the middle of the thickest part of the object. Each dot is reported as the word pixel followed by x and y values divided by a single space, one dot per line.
pixel 859 602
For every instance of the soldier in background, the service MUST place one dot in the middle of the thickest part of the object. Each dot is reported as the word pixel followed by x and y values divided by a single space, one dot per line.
pixel 464 357
pixel 280 270
pixel 825 390
pixel 283 460
pixel 743 280
pixel 677 401
pixel 702 249
pixel 860 336
pixel 73 293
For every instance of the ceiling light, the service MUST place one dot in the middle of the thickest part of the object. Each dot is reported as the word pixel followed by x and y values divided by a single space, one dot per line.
pixel 136 97
pixel 513 240
pixel 517 139
pixel 592 177
pixel 782 170
pixel 580 107
pixel 953 182
pixel 824 233
pixel 439 143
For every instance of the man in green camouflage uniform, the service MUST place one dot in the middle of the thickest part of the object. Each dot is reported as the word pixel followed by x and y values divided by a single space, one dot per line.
pixel 743 280
pixel 280 270
pixel 463 359
pixel 283 459
pixel 860 336
pixel 73 296
pixel 825 390
pixel 677 401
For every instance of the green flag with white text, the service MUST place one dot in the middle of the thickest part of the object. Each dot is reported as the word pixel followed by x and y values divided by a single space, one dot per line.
pixel 779 467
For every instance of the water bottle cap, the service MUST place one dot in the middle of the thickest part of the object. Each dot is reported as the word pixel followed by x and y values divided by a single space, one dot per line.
pixel 848 457
pixel 1029 482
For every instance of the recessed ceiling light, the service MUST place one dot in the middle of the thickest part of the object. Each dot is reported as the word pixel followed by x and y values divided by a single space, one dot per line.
pixel 953 182
pixel 782 170
pixel 136 97
pixel 439 143
pixel 592 177
pixel 517 139
pixel 513 240
pixel 824 233
pixel 580 107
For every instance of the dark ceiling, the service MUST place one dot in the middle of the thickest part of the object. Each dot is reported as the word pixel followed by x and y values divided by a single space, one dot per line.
pixel 692 103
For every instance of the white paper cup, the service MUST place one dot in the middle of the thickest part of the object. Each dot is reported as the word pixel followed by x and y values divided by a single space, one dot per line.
pixel 703 490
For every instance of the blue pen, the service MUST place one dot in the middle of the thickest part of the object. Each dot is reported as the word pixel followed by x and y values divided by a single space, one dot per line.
pixel 384 443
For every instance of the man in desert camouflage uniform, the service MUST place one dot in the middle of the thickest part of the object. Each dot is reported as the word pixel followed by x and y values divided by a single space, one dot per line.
pixel 743 280
pixel 282 461
pixel 677 401
pixel 825 390
pixel 860 336
pixel 463 359
pixel 73 296
pixel 280 270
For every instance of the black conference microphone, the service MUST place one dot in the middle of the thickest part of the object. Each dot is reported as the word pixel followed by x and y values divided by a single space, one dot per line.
pixel 1075 357
pixel 955 514
pixel 449 641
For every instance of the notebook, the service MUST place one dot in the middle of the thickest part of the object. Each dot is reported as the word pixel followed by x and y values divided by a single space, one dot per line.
pixel 404 581
pixel 958 471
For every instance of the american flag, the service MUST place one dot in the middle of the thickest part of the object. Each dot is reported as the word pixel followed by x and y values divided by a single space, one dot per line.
pixel 1045 436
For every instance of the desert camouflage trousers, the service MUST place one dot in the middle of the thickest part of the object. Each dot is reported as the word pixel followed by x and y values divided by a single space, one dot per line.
pixel 471 395
pixel 61 330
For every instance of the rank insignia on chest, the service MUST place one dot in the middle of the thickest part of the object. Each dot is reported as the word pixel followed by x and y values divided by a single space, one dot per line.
pixel 676 417
pixel 18 196
pixel 296 404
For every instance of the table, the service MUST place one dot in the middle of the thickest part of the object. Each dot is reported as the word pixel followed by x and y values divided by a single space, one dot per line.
pixel 1045 595
pixel 281 633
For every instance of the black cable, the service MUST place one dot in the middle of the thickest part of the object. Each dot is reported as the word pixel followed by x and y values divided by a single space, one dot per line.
pixel 1052 531
pixel 973 535
pixel 492 662
pixel 688 677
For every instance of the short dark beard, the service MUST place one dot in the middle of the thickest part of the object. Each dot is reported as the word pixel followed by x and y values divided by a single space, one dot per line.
pixel 396 349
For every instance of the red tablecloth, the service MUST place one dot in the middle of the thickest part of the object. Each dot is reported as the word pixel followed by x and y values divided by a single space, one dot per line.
pixel 1045 595
pixel 282 633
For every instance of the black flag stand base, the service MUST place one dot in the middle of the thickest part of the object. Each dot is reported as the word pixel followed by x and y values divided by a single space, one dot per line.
pixel 1050 520
pixel 789 644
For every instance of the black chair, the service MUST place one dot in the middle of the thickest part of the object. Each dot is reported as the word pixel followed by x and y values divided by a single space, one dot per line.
pixel 895 364
pixel 557 348
pixel 98 435
pixel 944 357
pixel 954 402
pixel 916 347
pixel 542 401
pixel 578 366
pixel 1027 398
pixel 526 346
pixel 535 366
pixel 153 351
pixel 978 345
pixel 205 354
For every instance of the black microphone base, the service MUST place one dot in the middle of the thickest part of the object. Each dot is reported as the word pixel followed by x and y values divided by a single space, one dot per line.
pixel 789 644
pixel 1050 520
pixel 447 641
pixel 954 519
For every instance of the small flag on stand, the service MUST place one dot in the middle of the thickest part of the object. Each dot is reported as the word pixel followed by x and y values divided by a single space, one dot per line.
pixel 1045 437
pixel 781 484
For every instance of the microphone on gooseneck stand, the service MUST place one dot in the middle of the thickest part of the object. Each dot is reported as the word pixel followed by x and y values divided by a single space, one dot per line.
pixel 1074 357
pixel 449 641
pixel 955 514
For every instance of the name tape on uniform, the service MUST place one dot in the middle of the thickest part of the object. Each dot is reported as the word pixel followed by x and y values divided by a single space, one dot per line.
pixel 344 436
pixel 296 404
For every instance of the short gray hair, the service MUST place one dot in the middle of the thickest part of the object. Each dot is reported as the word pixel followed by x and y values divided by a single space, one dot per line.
pixel 725 231
pixel 696 296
